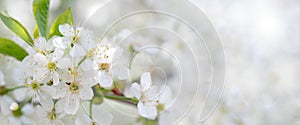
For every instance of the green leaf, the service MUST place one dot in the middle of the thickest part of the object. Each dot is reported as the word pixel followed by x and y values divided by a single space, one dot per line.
pixel 36 32
pixel 65 17
pixel 40 12
pixel 17 28
pixel 8 47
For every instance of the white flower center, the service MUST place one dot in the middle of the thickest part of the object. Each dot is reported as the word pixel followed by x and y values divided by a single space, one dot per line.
pixel 93 123
pixel 35 86
pixel 52 115
pixel 51 66
pixel 104 66
pixel 75 38
pixel 74 87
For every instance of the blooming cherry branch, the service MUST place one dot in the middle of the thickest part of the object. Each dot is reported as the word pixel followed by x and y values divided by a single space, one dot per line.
pixel 64 67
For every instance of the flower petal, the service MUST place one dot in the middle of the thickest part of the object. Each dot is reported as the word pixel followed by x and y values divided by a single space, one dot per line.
pixel 55 77
pixel 40 59
pixel 105 79
pixel 26 120
pixel 120 71
pixel 5 102
pixel 103 118
pixel 151 94
pixel 41 74
pixel 110 54
pixel 66 30
pixel 61 90
pixel 59 106
pixel 14 121
pixel 166 95
pixel 40 43
pixel 59 43
pixel 49 44
pixel 57 54
pixel 27 109
pixel 147 109
pixel 86 93
pixel 46 101
pixel 41 111
pixel 77 51
pixel 20 94
pixel 72 104
pixel 83 119
pixel 136 90
pixel 49 90
pixel 146 81
pixel 64 63
pixel 66 76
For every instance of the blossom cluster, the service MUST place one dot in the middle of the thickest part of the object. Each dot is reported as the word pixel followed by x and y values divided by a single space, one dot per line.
pixel 62 72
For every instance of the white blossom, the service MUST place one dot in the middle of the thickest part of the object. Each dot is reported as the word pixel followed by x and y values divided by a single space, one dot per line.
pixel 147 96
pixel 107 66
pixel 79 40
pixel 104 62
pixel 76 86
pixel 52 115
pixel 48 65
pixel 42 94
pixel 99 117
pixel 41 45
